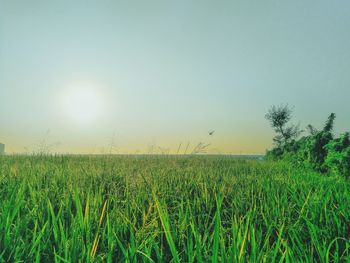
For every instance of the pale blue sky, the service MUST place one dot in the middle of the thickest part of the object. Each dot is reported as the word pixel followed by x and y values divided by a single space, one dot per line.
pixel 169 71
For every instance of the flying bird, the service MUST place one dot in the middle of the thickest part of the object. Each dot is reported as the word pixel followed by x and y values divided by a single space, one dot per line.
pixel 211 133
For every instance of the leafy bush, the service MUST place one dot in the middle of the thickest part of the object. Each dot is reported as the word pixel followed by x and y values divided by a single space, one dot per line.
pixel 338 155
pixel 319 150
pixel 315 150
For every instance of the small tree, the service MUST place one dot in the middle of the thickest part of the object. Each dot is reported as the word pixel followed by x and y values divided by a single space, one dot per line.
pixel 328 127
pixel 279 116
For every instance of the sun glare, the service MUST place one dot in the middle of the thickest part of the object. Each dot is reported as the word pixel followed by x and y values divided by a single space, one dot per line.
pixel 82 104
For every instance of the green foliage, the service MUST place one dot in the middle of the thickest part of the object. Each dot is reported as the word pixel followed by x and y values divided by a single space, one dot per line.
pixel 312 149
pixel 328 127
pixel 275 153
pixel 319 150
pixel 338 157
pixel 169 209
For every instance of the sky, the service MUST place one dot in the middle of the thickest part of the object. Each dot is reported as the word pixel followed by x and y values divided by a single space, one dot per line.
pixel 82 76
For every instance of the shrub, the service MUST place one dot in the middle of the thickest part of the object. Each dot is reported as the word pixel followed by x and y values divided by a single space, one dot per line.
pixel 315 150
pixel 338 155
pixel 319 150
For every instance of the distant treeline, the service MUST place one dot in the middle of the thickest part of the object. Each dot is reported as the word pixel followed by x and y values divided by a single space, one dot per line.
pixel 319 150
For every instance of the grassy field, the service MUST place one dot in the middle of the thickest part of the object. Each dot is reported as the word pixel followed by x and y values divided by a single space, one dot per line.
pixel 169 209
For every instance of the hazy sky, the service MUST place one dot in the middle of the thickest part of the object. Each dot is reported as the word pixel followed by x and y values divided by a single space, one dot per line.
pixel 165 72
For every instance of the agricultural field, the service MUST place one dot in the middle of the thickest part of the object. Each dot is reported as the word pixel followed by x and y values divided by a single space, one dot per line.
pixel 169 209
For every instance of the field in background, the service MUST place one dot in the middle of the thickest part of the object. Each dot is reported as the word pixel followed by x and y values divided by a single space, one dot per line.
pixel 163 209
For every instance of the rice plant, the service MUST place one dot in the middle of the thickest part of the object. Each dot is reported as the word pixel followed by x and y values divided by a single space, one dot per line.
pixel 169 209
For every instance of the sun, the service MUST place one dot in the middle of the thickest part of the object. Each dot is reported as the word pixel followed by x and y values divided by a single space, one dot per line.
pixel 82 104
